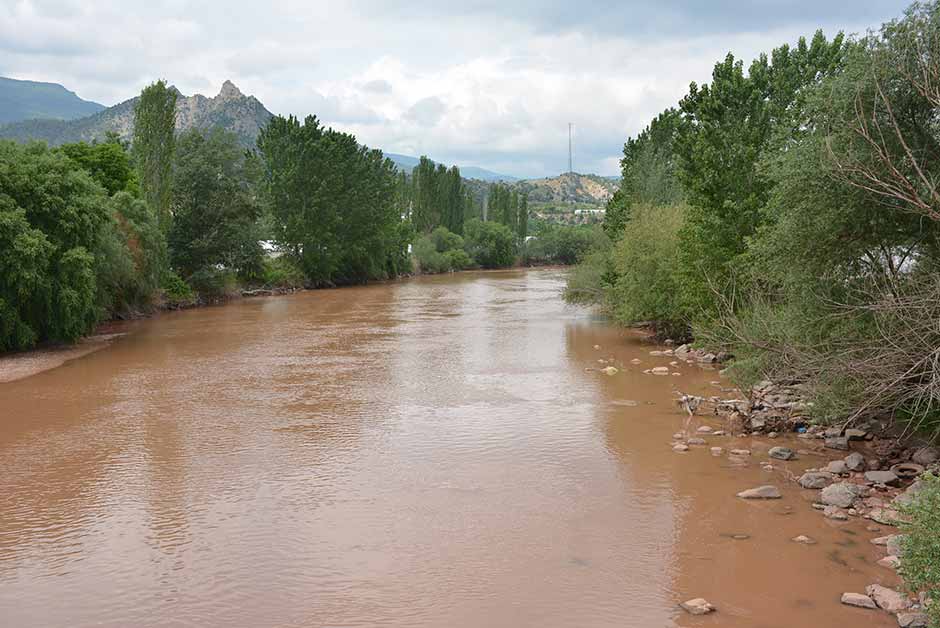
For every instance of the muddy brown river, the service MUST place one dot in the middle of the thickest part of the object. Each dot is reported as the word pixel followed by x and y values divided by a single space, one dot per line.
pixel 439 452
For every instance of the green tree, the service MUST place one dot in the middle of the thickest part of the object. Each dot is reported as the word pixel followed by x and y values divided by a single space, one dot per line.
pixel 215 205
pixel 333 202
pixel 51 214
pixel 108 163
pixel 490 244
pixel 154 144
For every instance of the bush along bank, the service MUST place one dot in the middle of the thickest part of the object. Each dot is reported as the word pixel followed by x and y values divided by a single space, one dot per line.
pixel 787 213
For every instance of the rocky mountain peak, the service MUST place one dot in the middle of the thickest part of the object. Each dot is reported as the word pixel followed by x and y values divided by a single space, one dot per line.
pixel 229 91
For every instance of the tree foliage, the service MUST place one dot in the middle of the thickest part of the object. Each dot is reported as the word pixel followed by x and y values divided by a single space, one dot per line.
pixel 215 205
pixel 154 144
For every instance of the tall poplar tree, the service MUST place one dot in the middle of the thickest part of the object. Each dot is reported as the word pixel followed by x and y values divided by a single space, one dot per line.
pixel 154 144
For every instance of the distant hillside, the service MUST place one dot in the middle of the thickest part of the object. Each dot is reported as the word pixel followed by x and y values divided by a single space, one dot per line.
pixel 569 187
pixel 407 163
pixel 29 100
pixel 230 109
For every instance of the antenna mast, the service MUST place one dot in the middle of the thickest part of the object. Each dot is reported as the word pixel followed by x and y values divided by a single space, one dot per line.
pixel 570 168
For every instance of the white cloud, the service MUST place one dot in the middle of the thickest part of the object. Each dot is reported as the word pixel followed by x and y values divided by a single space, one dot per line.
pixel 493 85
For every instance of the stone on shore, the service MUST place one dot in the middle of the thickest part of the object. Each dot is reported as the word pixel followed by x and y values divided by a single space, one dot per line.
pixel 816 479
pixel 837 467
pixel 888 599
pixel 893 544
pixel 926 456
pixel 855 462
pixel 835 513
pixel 680 447
pixel 891 562
pixel 887 478
pixel 837 442
pixel 696 441
pixel 740 452
pixel 841 494
pixel 705 429
pixel 697 606
pixel 781 453
pixel 761 492
pixel 660 370
pixel 805 540
pixel 912 620
pixel 857 599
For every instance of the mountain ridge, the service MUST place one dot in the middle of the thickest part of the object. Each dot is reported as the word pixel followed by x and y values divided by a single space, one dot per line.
pixel 29 100
pixel 243 115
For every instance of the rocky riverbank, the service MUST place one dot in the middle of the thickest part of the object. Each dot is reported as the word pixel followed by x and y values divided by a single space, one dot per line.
pixel 859 472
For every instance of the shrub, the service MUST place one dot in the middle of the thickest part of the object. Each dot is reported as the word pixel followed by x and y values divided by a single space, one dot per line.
pixel 489 244
pixel 213 284
pixel 920 545
pixel 281 272
pixel 563 244
pixel 176 291
pixel 441 251
pixel 646 261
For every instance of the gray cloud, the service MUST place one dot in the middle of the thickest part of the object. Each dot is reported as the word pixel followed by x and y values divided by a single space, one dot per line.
pixel 427 111
pixel 480 82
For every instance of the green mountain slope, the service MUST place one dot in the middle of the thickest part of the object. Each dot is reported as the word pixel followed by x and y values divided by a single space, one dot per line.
pixel 28 100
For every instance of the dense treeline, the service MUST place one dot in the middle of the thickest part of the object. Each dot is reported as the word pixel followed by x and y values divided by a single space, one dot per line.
pixel 112 229
pixel 789 214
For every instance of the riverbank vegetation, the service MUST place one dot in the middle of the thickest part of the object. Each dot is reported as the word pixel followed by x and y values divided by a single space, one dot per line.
pixel 110 229
pixel 788 214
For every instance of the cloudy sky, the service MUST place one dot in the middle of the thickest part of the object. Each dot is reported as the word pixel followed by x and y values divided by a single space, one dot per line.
pixel 491 83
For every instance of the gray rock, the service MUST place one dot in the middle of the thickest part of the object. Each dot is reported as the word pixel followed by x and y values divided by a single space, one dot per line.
pixel 835 513
pixel 926 456
pixel 882 477
pixel 698 606
pixel 905 498
pixel 893 544
pixel 841 494
pixel 761 492
pixel 837 442
pixel 853 434
pixel 696 441
pixel 884 516
pixel 912 620
pixel 888 599
pixel 891 562
pixel 857 599
pixel 855 462
pixel 837 467
pixel 816 479
pixel 881 540
pixel 781 453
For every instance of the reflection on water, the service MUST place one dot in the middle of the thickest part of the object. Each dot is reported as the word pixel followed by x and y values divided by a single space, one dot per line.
pixel 436 452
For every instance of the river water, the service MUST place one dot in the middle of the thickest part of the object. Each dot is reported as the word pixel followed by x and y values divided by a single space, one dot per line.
pixel 438 452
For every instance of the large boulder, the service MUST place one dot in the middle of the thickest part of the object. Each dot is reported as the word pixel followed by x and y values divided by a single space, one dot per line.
pixel 816 479
pixel 761 492
pixel 842 494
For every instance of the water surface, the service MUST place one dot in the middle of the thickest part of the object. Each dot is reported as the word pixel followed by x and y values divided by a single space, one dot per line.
pixel 439 452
